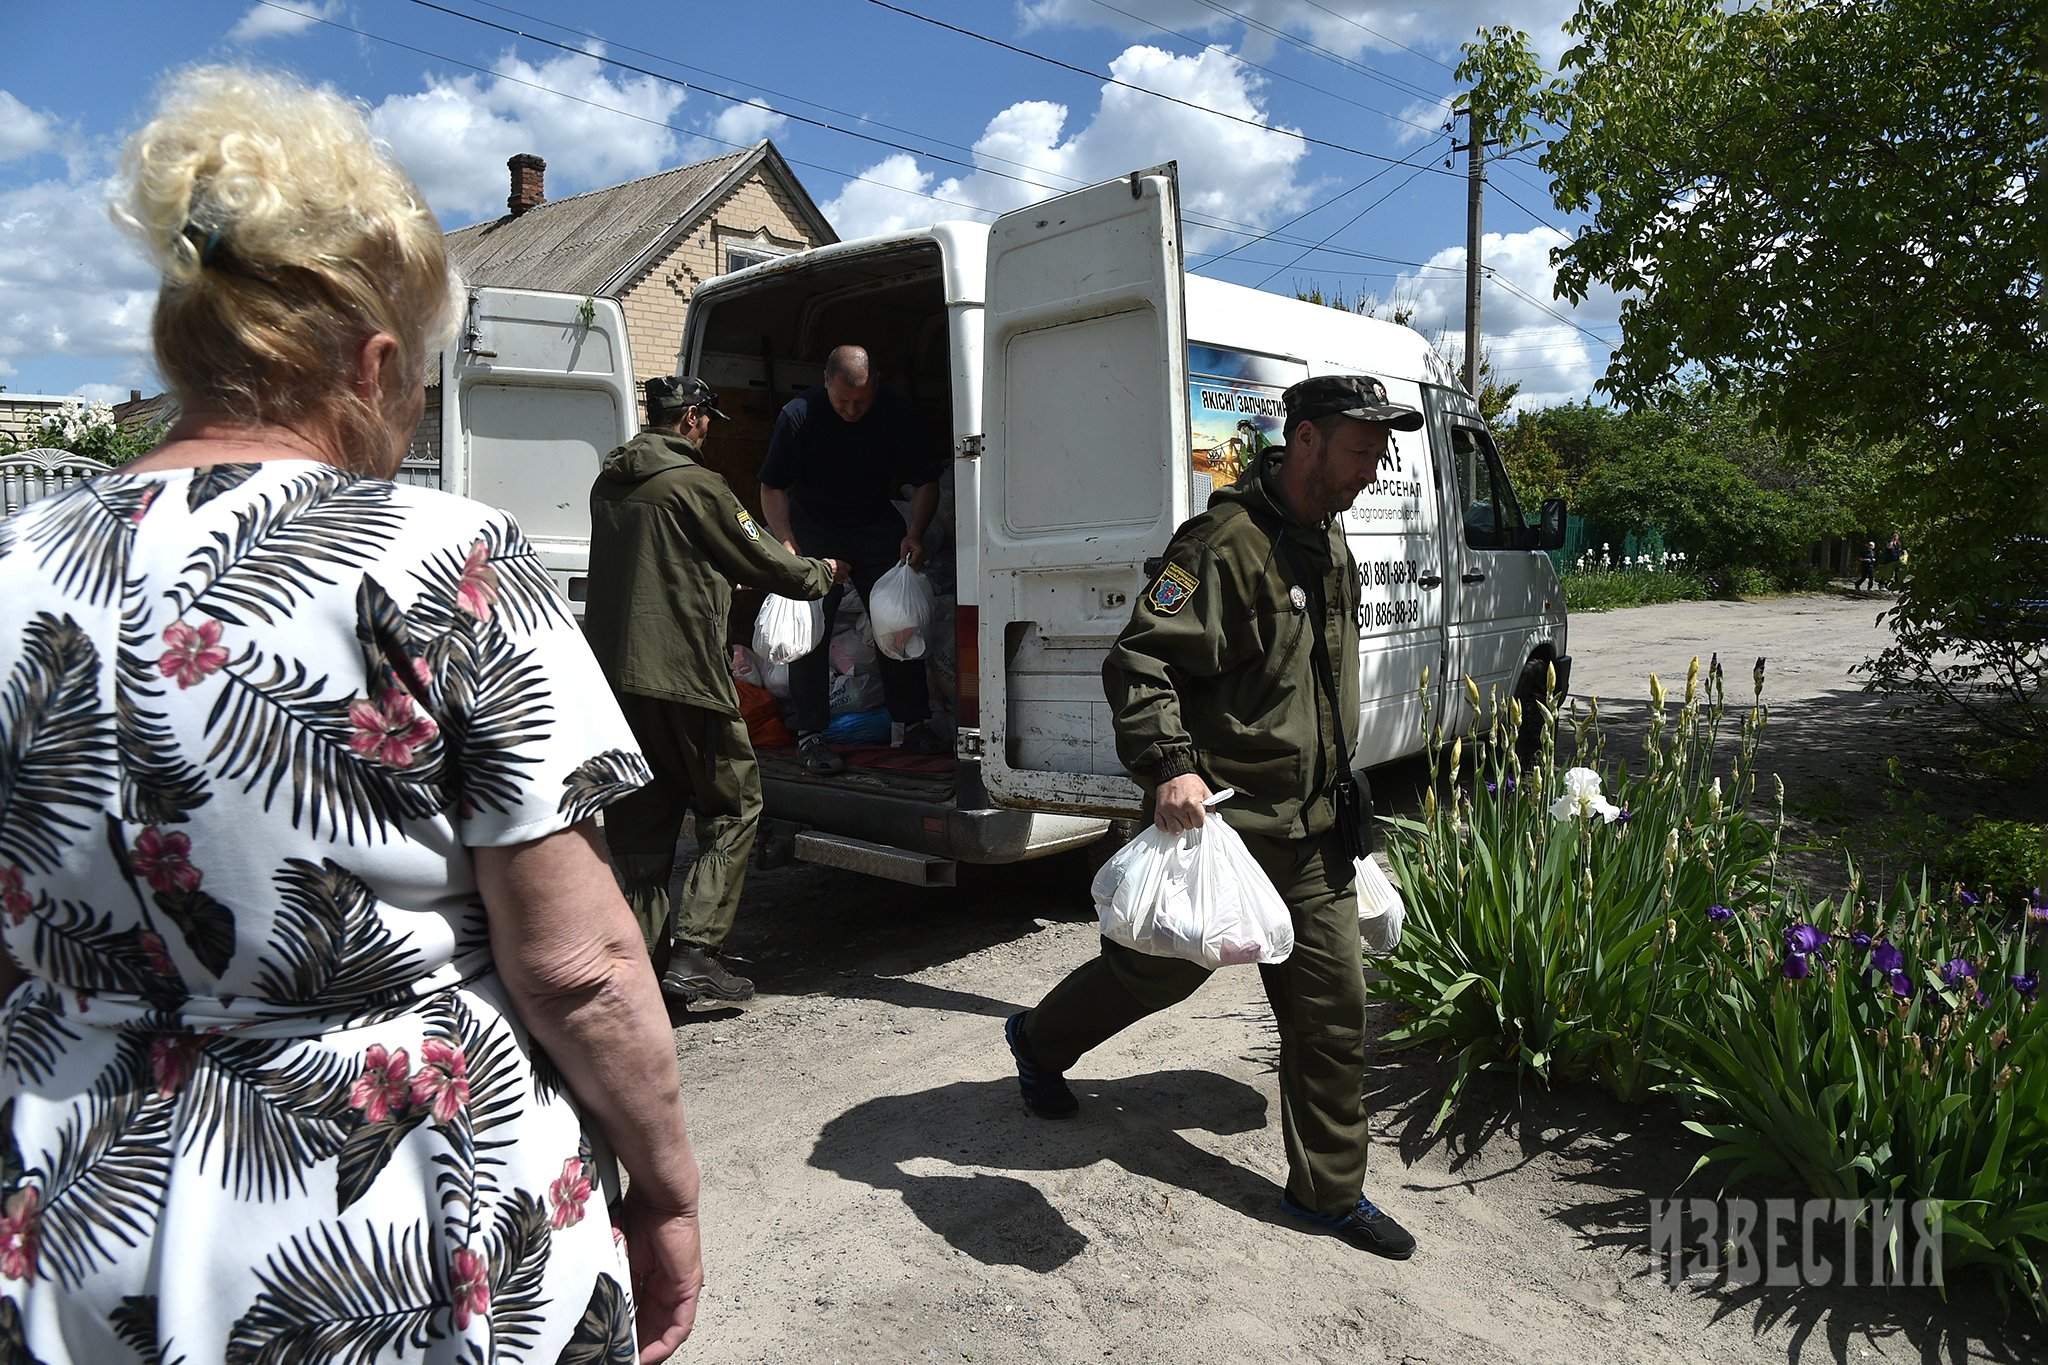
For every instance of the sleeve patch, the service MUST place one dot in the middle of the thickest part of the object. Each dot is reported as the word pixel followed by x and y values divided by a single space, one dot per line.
pixel 749 525
pixel 1172 590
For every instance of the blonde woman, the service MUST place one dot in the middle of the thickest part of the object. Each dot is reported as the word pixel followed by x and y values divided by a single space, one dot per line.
pixel 325 1015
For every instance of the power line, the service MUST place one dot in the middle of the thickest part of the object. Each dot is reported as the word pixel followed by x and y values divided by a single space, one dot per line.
pixel 1349 64
pixel 1242 61
pixel 1113 80
pixel 1523 294
pixel 1540 220
pixel 1317 208
pixel 1346 225
pixel 1377 34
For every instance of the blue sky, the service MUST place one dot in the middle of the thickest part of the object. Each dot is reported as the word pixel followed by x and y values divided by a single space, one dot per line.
pixel 1312 85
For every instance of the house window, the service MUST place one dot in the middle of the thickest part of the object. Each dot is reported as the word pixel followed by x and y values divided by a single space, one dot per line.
pixel 739 257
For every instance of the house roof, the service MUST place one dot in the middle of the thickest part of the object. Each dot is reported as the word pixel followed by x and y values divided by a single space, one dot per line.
pixel 593 243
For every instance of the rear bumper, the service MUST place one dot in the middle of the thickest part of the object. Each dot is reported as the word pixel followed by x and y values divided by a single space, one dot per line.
pixel 973 833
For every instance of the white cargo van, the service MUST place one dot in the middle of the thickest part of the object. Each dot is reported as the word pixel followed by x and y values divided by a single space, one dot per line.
pixel 1092 395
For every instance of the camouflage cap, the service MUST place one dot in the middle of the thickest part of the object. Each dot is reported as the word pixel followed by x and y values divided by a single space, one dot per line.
pixel 1347 395
pixel 670 393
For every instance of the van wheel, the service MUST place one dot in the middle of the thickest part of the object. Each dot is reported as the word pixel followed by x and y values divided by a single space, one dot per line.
pixel 1529 738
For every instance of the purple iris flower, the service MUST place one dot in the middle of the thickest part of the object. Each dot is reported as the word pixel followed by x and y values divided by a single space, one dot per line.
pixel 1492 788
pixel 2026 983
pixel 1804 938
pixel 1886 957
pixel 1625 816
pixel 1969 898
pixel 1798 967
pixel 1720 914
pixel 1957 969
pixel 2038 913
pixel 1902 985
pixel 1982 999
pixel 1860 939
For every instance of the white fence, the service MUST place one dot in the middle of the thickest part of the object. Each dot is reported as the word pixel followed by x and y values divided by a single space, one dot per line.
pixel 30 474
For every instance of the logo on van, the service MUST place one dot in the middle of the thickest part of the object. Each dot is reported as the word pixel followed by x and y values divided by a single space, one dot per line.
pixel 1172 590
pixel 748 525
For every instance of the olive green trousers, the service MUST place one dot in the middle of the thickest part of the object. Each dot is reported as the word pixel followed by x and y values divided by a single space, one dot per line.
pixel 1318 1001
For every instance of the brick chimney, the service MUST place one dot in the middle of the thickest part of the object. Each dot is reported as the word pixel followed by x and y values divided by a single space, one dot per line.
pixel 528 172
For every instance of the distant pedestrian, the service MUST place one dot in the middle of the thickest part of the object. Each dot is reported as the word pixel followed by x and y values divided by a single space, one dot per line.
pixel 1867 565
pixel 1895 560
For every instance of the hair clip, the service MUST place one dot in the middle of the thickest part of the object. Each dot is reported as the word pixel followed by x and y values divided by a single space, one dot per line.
pixel 208 242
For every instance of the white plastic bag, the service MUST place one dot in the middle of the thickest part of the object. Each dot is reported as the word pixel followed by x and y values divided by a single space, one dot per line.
pixel 1380 911
pixel 787 629
pixel 1198 895
pixel 901 612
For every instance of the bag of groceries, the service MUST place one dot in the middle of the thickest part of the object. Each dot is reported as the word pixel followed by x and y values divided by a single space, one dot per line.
pixel 1198 895
pixel 901 612
pixel 1380 911
pixel 786 629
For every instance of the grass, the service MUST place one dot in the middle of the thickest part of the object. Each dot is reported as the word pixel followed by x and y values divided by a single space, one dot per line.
pixel 1607 589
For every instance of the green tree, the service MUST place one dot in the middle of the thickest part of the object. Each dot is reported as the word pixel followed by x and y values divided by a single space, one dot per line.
pixel 1834 207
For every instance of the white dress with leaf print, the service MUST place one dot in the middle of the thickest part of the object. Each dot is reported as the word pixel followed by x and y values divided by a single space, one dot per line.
pixel 262 1097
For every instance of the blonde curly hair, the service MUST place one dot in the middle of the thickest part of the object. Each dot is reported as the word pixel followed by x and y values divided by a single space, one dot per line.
pixel 286 238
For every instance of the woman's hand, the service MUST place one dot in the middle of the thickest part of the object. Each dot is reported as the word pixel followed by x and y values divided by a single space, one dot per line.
pixel 666 1255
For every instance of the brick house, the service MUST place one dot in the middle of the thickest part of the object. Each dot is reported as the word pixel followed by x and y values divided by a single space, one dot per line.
pixel 647 243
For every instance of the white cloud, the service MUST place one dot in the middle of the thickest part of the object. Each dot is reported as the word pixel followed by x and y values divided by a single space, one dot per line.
pixel 747 124
pixel 1421 119
pixel 23 131
pixel 264 21
pixel 70 284
pixel 456 135
pixel 1553 360
pixel 102 393
pixel 1356 30
pixel 1227 169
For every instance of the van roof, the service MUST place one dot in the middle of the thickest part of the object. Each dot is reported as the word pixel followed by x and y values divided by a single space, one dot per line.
pixel 1219 313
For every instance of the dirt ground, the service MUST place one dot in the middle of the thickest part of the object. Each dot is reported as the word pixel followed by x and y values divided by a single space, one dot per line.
pixel 874 1190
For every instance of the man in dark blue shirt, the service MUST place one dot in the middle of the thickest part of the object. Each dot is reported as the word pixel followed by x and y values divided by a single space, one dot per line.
pixel 838 455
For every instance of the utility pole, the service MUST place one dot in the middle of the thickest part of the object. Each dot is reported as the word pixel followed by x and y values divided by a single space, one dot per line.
pixel 1475 186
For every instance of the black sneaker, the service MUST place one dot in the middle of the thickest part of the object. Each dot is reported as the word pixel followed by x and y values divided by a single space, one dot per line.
pixel 695 975
pixel 1045 1092
pixel 922 739
pixel 1365 1227
pixel 818 757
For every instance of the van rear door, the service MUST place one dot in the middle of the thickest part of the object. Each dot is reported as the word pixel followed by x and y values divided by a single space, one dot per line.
pixel 535 390
pixel 1084 475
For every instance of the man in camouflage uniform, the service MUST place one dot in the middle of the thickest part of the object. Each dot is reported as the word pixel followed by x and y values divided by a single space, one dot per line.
pixel 668 539
pixel 1239 669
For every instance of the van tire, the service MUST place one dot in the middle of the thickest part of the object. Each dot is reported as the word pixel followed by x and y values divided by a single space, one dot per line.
pixel 1529 692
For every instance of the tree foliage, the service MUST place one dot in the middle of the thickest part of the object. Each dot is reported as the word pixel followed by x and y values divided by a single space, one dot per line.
pixel 1832 206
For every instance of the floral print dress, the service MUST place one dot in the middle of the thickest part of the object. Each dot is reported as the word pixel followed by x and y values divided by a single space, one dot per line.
pixel 262 1096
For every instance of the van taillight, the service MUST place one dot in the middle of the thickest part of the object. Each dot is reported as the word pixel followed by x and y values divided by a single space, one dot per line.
pixel 967 667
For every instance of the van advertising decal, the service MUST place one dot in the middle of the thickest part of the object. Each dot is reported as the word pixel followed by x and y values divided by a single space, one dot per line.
pixel 1234 412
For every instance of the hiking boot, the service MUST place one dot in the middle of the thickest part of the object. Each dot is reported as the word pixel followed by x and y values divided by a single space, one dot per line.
pixel 818 757
pixel 922 739
pixel 1045 1092
pixel 1365 1227
pixel 695 975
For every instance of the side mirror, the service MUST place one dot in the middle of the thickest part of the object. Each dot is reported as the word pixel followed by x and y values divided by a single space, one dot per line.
pixel 1550 534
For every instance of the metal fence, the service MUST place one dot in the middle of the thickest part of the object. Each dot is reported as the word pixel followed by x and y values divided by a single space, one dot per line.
pixel 26 475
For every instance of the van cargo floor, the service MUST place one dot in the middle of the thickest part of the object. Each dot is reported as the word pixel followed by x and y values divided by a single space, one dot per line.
pixel 881 771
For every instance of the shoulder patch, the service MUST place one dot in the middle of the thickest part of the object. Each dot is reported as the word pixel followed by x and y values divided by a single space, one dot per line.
pixel 1172 590
pixel 749 525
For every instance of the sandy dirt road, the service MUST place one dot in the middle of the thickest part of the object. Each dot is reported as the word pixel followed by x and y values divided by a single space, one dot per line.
pixel 875 1191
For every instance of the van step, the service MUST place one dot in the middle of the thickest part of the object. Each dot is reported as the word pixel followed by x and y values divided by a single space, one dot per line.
pixel 874 860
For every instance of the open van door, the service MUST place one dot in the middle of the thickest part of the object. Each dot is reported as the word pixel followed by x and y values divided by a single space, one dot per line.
pixel 535 390
pixel 1084 475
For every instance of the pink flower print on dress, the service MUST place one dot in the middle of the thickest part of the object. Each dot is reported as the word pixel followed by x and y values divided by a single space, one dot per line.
pixel 381 1090
pixel 477 592
pixel 172 1060
pixel 568 1193
pixel 19 1234
pixel 14 897
pixel 142 507
pixel 472 1286
pixel 390 729
pixel 164 861
pixel 442 1080
pixel 191 654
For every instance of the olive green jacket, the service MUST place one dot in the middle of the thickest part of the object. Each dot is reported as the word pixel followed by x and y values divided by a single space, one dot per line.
pixel 667 542
pixel 1215 673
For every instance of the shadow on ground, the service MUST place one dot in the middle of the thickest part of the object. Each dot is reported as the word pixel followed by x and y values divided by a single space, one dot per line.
pixel 1135 1121
pixel 1622 1157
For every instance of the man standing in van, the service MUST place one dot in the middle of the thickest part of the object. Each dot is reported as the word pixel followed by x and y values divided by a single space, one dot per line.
pixel 667 541
pixel 837 455
pixel 1239 669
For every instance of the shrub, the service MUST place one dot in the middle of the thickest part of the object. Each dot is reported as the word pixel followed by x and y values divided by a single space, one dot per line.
pixel 88 429
pixel 1903 1059
pixel 2005 858
pixel 1606 589
pixel 1541 936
